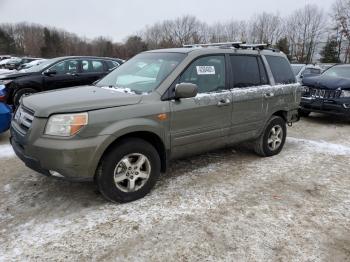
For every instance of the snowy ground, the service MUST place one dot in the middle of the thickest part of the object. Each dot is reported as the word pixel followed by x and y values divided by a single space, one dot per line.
pixel 228 205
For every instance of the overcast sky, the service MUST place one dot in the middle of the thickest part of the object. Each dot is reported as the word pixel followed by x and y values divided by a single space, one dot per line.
pixel 119 18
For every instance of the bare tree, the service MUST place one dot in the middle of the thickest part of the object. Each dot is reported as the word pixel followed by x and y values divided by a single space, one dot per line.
pixel 304 29
pixel 265 28
pixel 341 16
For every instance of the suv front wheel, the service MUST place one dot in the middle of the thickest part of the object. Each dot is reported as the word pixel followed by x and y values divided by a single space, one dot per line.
pixel 273 138
pixel 129 171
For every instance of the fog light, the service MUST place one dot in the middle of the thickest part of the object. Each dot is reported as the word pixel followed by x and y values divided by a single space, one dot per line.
pixel 346 106
pixel 56 174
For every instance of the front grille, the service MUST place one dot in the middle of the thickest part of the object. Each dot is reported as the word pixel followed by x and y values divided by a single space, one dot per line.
pixel 323 93
pixel 24 119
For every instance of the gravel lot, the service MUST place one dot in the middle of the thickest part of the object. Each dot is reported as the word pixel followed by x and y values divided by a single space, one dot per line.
pixel 228 205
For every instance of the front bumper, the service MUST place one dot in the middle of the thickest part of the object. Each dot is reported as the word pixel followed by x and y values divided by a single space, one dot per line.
pixel 74 159
pixel 336 106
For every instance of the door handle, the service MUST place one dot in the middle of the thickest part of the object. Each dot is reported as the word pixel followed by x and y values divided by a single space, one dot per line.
pixel 268 95
pixel 224 102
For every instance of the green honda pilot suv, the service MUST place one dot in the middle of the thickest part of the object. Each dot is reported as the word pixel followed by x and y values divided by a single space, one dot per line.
pixel 160 105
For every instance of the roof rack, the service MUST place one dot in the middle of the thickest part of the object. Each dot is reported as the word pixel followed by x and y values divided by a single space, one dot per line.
pixel 254 46
pixel 222 44
pixel 237 45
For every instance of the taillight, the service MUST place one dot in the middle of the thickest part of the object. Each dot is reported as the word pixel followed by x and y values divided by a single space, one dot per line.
pixel 2 93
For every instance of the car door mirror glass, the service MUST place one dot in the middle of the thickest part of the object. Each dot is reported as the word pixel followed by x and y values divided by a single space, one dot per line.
pixel 185 90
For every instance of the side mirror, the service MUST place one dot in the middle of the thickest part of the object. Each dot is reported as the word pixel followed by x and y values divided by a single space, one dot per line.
pixel 185 90
pixel 50 72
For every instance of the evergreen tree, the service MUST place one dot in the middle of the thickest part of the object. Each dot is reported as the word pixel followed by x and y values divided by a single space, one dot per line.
pixel 7 43
pixel 283 45
pixel 52 44
pixel 330 52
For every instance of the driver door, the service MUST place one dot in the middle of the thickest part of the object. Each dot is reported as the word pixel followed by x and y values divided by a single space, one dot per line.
pixel 202 123
pixel 67 75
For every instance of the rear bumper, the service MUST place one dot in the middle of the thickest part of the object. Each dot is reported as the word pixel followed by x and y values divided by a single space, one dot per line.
pixel 293 116
pixel 339 107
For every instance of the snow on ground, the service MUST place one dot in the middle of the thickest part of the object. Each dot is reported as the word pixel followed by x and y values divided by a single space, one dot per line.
pixel 6 151
pixel 226 205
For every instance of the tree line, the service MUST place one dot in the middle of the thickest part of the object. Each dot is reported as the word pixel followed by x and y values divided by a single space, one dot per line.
pixel 303 35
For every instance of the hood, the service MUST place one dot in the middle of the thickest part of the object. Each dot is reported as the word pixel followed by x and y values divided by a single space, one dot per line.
pixel 78 99
pixel 327 82
pixel 16 74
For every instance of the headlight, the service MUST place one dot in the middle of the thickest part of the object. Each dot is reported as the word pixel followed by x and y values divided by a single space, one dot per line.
pixel 345 93
pixel 66 124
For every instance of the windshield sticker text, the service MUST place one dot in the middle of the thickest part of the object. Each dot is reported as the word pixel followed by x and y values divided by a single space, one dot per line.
pixel 205 70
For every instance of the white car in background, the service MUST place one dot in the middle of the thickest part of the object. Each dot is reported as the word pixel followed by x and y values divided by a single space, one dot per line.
pixel 5 61
pixel 25 66
pixel 305 70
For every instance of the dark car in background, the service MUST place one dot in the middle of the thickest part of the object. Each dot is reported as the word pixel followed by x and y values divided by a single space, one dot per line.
pixel 56 73
pixel 305 70
pixel 328 93
pixel 31 64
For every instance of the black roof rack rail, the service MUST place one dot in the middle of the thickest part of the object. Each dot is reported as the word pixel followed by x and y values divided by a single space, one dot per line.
pixel 221 44
pixel 236 45
pixel 254 46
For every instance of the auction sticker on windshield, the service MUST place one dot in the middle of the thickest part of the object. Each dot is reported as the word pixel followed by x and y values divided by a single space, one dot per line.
pixel 205 70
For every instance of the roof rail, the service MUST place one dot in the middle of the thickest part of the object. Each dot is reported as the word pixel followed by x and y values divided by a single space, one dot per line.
pixel 236 45
pixel 254 46
pixel 228 44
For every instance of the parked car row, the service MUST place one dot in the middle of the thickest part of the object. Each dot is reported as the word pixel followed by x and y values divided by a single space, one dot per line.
pixel 159 106
pixel 44 75
pixel 15 63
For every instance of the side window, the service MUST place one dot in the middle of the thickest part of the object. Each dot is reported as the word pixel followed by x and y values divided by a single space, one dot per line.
pixel 92 66
pixel 208 73
pixel 312 71
pixel 245 71
pixel 281 70
pixel 112 64
pixel 66 67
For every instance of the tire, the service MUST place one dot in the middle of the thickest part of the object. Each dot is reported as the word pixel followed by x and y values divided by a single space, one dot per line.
pixel 119 180
pixel 304 113
pixel 263 146
pixel 20 93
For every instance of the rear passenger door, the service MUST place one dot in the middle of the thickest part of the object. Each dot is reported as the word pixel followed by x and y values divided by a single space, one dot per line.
pixel 248 79
pixel 91 70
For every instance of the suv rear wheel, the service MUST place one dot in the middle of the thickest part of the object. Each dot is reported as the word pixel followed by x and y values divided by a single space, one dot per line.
pixel 129 171
pixel 273 138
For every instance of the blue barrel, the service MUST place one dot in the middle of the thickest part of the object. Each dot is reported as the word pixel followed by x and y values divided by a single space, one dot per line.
pixel 5 117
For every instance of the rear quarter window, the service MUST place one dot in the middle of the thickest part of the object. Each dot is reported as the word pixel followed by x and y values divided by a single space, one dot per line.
pixel 281 70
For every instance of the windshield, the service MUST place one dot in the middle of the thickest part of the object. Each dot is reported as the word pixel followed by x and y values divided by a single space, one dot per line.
pixel 43 65
pixel 338 71
pixel 296 69
pixel 143 73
